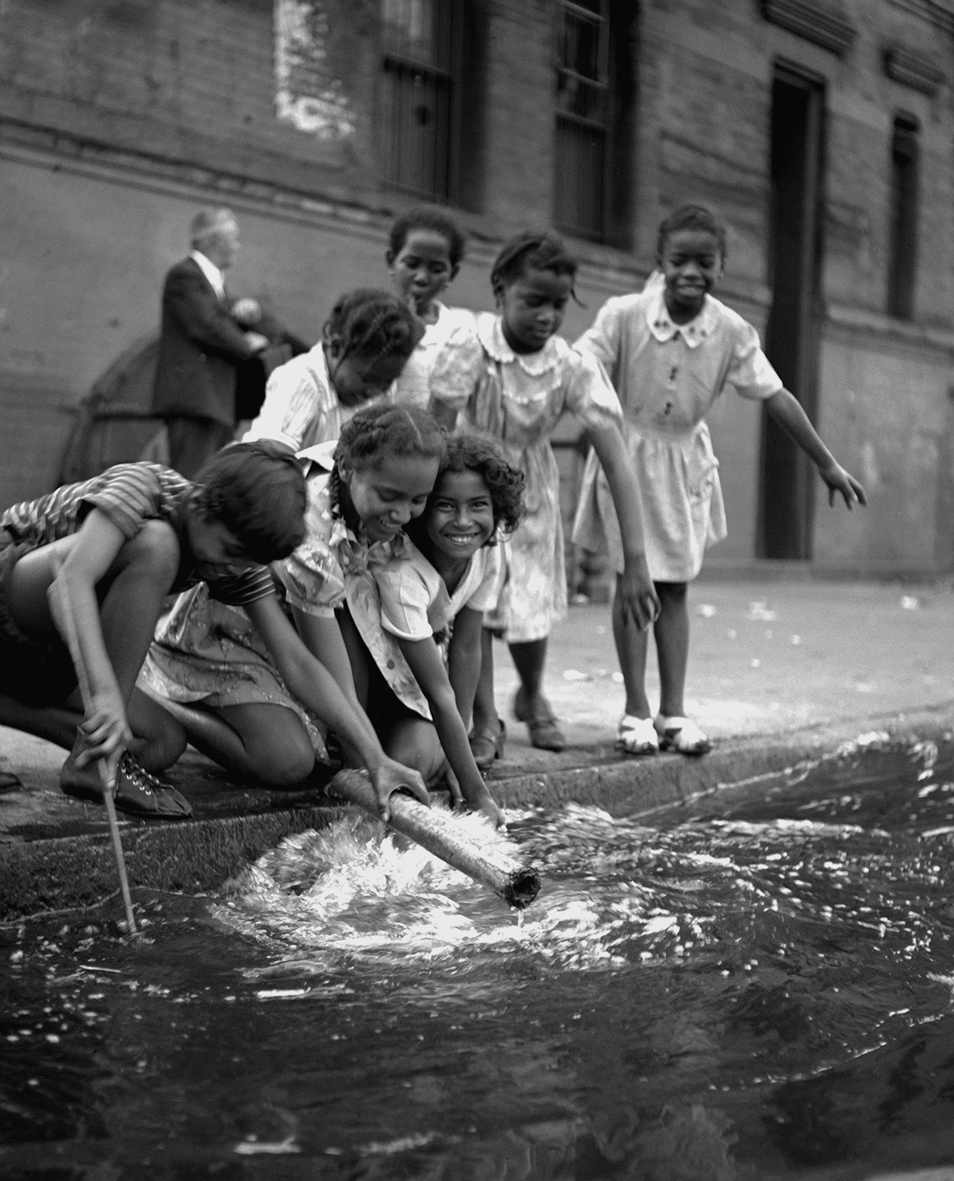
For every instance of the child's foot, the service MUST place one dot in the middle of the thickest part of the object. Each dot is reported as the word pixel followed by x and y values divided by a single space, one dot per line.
pixel 545 733
pixel 637 736
pixel 487 744
pixel 138 793
pixel 681 735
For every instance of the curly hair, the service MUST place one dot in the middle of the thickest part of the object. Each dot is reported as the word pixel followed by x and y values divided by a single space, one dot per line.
pixel 505 483
pixel 429 217
pixel 372 324
pixel 386 430
pixel 692 217
pixel 540 251
pixel 257 491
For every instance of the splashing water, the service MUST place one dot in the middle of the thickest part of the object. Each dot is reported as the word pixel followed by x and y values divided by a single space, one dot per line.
pixel 756 984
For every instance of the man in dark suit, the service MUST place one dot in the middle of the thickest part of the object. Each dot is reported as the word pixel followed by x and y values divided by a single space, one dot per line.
pixel 201 347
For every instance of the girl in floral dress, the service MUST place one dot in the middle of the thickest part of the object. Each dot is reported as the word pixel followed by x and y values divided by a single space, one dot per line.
pixel 511 377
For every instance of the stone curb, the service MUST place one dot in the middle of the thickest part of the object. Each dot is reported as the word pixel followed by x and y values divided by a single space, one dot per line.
pixel 197 856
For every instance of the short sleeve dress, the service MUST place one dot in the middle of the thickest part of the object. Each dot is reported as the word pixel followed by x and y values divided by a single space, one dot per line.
pixel 668 376
pixel 517 399
pixel 413 386
pixel 413 603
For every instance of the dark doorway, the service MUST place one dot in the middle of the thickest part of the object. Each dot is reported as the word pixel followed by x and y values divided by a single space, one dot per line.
pixel 787 479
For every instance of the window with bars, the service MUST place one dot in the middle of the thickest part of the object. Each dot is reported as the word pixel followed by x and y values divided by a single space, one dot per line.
pixel 583 115
pixel 902 258
pixel 418 107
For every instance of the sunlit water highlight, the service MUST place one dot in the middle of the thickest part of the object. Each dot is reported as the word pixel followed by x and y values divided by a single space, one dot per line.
pixel 756 985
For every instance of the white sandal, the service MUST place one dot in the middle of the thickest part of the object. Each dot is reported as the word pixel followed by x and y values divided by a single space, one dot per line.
pixel 637 736
pixel 681 735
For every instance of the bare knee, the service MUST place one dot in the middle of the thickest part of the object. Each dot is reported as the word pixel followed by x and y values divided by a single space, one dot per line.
pixel 285 759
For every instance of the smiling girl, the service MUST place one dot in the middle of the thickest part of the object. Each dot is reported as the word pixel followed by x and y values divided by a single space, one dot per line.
pixel 511 377
pixel 670 351
pixel 432 604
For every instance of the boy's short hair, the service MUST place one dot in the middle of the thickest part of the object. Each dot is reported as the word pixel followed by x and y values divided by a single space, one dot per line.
pixel 257 490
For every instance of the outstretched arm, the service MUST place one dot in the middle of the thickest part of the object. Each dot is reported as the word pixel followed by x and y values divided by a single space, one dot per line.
pixel 424 660
pixel 787 411
pixel 315 687
pixel 638 595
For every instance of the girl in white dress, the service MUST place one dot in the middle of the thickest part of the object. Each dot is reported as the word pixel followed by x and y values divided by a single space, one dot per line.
pixel 424 254
pixel 511 377
pixel 670 350
pixel 364 346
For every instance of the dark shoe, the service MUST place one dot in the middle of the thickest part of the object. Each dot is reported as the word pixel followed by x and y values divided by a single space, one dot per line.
pixel 138 793
pixel 545 733
pixel 486 746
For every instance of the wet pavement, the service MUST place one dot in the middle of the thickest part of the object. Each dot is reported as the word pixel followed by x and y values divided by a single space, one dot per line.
pixel 778 671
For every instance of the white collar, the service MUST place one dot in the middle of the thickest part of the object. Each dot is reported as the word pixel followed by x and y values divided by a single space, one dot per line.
pixel 321 455
pixel 490 332
pixel 211 272
pixel 662 327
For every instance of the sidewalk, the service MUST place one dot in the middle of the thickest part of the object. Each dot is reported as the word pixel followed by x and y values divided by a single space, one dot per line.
pixel 778 671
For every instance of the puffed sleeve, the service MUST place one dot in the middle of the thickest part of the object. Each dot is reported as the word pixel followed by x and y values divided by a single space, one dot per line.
pixel 405 598
pixel 311 576
pixel 750 371
pixel 458 367
pixel 589 394
pixel 602 338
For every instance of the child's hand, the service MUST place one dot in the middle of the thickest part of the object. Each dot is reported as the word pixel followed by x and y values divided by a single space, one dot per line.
pixel 838 480
pixel 390 777
pixel 637 595
pixel 106 734
pixel 484 802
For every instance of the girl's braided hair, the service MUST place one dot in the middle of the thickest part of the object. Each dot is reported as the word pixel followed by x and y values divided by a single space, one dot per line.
pixel 692 217
pixel 529 250
pixel 373 324
pixel 429 217
pixel 505 483
pixel 386 430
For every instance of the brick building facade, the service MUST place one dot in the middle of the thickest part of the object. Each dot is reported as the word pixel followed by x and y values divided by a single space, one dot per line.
pixel 822 131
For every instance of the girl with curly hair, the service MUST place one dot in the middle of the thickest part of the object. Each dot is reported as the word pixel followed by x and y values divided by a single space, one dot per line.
pixel 427 647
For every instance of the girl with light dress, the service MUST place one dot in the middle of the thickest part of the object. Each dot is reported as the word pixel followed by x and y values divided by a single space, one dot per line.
pixel 208 667
pixel 510 377
pixel 421 649
pixel 425 249
pixel 670 350
pixel 365 344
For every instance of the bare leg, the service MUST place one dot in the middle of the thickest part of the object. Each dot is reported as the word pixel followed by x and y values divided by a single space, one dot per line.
pixel 672 645
pixel 485 706
pixel 414 742
pixel 257 741
pixel 632 644
pixel 530 706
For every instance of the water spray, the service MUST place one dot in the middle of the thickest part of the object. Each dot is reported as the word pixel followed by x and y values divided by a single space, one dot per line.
pixel 435 831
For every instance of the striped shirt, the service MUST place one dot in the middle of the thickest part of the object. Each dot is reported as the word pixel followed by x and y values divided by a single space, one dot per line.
pixel 129 494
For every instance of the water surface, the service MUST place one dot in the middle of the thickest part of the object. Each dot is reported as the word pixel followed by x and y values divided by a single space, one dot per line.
pixel 756 985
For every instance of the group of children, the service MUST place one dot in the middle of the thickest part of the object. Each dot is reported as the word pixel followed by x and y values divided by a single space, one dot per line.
pixel 339 574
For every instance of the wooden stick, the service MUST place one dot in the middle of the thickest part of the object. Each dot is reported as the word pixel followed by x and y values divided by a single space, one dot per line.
pixel 436 831
pixel 73 643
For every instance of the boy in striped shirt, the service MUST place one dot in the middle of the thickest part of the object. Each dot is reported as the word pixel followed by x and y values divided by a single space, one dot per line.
pixel 94 562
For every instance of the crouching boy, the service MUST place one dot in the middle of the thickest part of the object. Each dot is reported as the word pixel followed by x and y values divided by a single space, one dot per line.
pixel 89 566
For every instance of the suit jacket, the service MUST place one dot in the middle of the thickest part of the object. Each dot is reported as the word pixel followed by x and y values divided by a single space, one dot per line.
pixel 200 350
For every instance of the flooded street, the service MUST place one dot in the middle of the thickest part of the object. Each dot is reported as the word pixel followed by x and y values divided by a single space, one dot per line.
pixel 755 985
